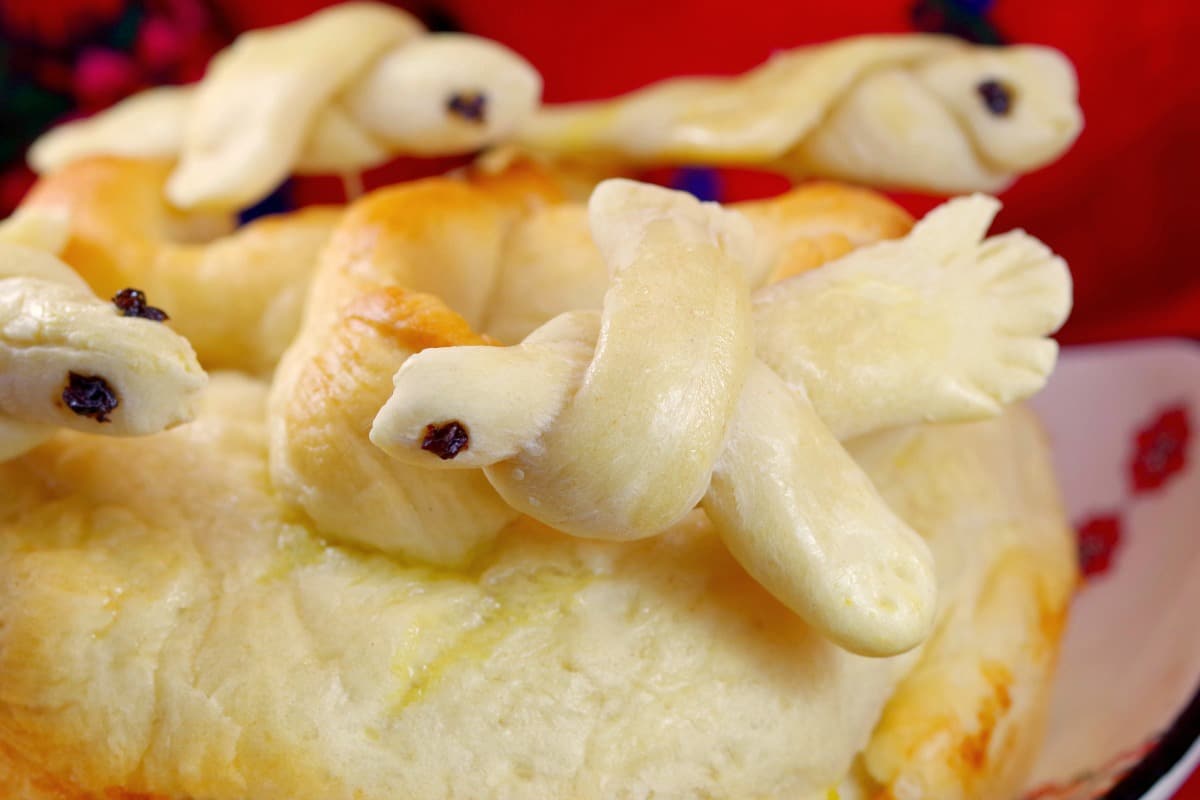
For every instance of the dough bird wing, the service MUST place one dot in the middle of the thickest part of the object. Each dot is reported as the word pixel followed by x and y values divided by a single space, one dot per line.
pixel 248 120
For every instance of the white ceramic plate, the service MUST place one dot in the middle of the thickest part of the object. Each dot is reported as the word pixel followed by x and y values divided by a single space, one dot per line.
pixel 1124 421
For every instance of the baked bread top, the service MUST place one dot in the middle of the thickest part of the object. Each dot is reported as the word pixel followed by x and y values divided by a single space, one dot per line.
pixel 194 637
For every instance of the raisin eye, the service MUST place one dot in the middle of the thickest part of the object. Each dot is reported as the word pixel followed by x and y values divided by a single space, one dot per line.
pixel 132 303
pixel 996 96
pixel 446 440
pixel 471 106
pixel 90 396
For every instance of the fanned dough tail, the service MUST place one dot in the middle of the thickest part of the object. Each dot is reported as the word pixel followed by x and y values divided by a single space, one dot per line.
pixel 946 324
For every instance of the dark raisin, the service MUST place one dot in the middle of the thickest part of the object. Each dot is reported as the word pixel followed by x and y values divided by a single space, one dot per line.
pixel 446 440
pixel 132 303
pixel 996 96
pixel 471 106
pixel 90 396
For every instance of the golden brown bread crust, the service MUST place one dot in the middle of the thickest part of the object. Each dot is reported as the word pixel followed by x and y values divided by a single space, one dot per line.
pixel 22 779
pixel 820 221
pixel 440 236
pixel 236 295
pixel 323 404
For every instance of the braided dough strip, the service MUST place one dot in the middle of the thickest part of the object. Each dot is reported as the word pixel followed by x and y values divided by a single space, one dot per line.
pixel 297 98
pixel 237 296
pixel 915 111
pixel 56 337
pixel 792 506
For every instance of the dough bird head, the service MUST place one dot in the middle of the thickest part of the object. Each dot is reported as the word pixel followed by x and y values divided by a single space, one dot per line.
pixel 71 360
pixel 1019 105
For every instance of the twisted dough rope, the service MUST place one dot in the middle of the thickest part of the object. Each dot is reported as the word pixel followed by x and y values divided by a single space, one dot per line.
pixel 69 359
pixel 914 111
pixel 341 91
pixel 615 428
pixel 236 295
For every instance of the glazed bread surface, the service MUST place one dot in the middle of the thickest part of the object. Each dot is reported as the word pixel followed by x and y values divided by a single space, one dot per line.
pixel 194 638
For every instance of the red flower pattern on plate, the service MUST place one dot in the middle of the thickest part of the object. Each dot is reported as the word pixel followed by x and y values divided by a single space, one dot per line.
pixel 1161 450
pixel 1098 540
